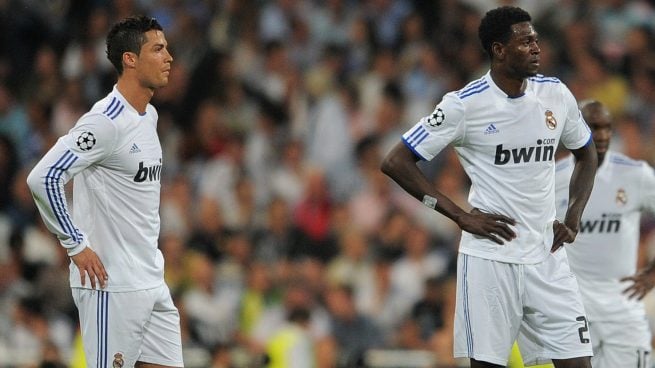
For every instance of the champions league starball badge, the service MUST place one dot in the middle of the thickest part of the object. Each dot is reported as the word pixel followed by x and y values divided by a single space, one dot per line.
pixel 437 118
pixel 551 123
pixel 86 141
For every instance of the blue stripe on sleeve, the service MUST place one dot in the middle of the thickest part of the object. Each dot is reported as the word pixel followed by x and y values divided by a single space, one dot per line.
pixel 474 91
pixel 411 148
pixel 54 195
pixel 418 131
pixel 112 116
pixel 111 112
pixel 111 104
pixel 471 86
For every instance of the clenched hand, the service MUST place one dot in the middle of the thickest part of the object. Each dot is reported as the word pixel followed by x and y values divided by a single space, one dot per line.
pixel 562 234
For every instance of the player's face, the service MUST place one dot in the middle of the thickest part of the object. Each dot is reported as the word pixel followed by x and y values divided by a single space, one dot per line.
pixel 154 61
pixel 600 123
pixel 523 51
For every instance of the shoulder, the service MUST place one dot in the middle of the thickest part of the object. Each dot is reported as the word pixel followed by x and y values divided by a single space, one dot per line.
pixel 152 111
pixel 95 125
pixel 618 159
pixel 110 107
pixel 542 79
pixel 542 84
pixel 473 88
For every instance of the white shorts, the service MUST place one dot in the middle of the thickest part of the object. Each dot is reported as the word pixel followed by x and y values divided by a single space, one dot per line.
pixel 121 328
pixel 621 344
pixel 538 305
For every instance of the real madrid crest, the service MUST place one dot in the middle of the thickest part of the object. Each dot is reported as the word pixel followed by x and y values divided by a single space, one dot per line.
pixel 551 123
pixel 118 361
pixel 621 197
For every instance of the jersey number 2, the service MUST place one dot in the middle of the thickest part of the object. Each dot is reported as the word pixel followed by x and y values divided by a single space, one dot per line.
pixel 583 329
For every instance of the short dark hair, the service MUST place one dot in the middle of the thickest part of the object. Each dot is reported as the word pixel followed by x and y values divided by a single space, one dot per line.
pixel 128 35
pixel 496 25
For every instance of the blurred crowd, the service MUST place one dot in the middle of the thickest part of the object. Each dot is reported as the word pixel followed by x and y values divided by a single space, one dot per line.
pixel 276 221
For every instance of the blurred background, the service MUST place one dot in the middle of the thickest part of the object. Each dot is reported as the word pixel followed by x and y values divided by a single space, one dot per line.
pixel 278 228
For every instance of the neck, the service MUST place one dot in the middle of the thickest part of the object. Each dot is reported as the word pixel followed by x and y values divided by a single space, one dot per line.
pixel 601 158
pixel 512 86
pixel 135 94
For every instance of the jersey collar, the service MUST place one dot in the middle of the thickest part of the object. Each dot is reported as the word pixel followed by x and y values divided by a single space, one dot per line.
pixel 122 99
pixel 501 93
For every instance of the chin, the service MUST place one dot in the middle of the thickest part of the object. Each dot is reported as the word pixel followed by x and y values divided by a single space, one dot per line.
pixel 532 73
pixel 161 84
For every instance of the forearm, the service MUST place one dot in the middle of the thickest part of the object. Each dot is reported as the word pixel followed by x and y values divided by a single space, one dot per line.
pixel 581 184
pixel 46 183
pixel 400 165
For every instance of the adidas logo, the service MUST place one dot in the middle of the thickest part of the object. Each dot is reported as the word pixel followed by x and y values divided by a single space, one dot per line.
pixel 491 129
pixel 135 148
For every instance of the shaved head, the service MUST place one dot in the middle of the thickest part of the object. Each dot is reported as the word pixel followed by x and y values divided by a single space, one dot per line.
pixel 599 120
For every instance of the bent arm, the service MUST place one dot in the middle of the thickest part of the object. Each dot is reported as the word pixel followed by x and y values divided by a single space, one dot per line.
pixel 46 182
pixel 581 184
pixel 400 165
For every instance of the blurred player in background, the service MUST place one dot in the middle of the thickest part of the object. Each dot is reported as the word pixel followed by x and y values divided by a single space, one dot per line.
pixel 513 283
pixel 127 315
pixel 604 254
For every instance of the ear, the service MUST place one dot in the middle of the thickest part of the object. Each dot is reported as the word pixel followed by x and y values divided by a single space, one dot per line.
pixel 129 60
pixel 498 50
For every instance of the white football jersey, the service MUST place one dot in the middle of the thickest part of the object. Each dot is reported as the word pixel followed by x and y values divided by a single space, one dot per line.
pixel 605 249
pixel 116 158
pixel 507 148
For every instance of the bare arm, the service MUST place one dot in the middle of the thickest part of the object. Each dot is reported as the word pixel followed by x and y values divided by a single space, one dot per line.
pixel 400 165
pixel 582 182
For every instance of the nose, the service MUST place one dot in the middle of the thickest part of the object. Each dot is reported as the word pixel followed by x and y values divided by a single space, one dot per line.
pixel 535 48
pixel 603 134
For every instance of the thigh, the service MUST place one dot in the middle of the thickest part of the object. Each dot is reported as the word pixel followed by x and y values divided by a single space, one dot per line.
pixel 488 309
pixel 162 341
pixel 112 325
pixel 554 324
pixel 625 343
pixel 611 356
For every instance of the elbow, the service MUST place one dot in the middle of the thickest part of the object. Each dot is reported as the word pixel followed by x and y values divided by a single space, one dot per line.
pixel 395 161
pixel 34 181
pixel 384 166
pixel 388 164
pixel 592 156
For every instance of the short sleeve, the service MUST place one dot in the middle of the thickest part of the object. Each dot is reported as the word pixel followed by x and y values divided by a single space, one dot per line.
pixel 434 132
pixel 92 139
pixel 648 188
pixel 576 133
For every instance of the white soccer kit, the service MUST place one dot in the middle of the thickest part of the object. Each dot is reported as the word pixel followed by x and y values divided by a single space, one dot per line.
pixel 507 148
pixel 606 250
pixel 116 158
